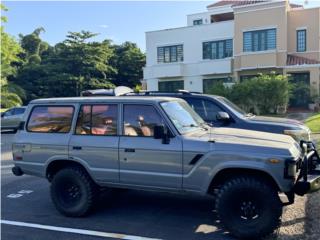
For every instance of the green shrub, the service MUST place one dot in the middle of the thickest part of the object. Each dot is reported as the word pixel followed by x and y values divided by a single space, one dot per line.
pixel 264 94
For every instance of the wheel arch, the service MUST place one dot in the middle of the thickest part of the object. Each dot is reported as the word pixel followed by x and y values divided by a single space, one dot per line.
pixel 56 165
pixel 228 173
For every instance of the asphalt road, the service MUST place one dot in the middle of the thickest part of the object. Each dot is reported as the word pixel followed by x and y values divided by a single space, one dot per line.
pixel 134 214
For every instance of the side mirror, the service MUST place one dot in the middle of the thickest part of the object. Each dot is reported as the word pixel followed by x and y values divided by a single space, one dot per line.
pixel 223 116
pixel 161 132
pixel 2 114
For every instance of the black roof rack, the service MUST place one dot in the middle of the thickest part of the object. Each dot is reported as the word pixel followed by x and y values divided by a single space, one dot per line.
pixel 146 93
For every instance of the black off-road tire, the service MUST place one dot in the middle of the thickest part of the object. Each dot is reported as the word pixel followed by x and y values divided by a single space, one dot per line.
pixel 249 207
pixel 73 192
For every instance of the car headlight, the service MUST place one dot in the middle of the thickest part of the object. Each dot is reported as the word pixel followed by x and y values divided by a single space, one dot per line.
pixel 298 134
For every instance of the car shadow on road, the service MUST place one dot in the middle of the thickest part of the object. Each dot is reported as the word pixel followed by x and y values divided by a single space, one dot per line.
pixel 160 215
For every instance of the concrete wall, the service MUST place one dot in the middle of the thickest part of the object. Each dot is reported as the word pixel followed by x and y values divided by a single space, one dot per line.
pixel 191 38
pixel 308 19
pixel 258 17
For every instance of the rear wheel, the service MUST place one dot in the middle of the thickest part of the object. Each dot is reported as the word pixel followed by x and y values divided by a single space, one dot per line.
pixel 73 192
pixel 249 207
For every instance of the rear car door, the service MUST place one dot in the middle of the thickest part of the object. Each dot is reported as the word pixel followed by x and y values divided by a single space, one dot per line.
pixel 144 160
pixel 95 141
pixel 45 136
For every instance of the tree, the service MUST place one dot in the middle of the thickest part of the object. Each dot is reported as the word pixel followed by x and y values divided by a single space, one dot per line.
pixel 11 94
pixel 67 68
pixel 129 61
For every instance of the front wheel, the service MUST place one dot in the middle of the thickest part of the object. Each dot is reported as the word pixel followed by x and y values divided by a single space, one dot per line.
pixel 73 192
pixel 249 207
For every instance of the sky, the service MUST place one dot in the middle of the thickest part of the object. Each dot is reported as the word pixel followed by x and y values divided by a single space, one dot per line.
pixel 119 21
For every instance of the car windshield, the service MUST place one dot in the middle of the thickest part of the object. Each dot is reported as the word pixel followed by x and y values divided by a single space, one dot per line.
pixel 234 107
pixel 184 118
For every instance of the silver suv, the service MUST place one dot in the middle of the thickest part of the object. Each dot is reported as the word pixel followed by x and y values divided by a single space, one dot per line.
pixel 82 145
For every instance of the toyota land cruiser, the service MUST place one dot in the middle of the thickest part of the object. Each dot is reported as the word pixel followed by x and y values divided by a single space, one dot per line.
pixel 84 144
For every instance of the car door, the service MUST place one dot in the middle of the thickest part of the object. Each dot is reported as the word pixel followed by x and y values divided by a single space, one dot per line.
pixel 7 118
pixel 95 141
pixel 46 135
pixel 144 160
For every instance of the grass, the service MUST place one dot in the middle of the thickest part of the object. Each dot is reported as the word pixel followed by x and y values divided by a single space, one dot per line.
pixel 3 109
pixel 314 123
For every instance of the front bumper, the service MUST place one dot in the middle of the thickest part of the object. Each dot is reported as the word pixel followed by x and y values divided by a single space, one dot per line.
pixel 308 180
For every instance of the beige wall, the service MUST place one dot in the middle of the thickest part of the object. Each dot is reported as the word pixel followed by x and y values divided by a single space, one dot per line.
pixel 309 19
pixel 261 17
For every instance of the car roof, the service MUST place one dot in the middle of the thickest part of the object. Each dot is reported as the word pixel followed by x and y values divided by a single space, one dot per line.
pixel 104 99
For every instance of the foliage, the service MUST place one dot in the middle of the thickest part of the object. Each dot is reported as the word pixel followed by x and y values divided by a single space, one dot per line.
pixel 266 93
pixel 76 64
pixel 129 61
pixel 300 94
pixel 10 94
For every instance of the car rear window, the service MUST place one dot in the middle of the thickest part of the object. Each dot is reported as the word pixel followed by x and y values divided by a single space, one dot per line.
pixel 50 119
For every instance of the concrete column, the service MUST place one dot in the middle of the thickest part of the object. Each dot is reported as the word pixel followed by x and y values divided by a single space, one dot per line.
pixel 152 84
pixel 193 83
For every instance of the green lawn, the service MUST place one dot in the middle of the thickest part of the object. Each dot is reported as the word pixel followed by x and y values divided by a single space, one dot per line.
pixel 314 123
pixel 3 109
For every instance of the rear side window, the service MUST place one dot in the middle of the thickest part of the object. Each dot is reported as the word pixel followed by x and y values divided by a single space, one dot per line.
pixel 98 120
pixel 50 119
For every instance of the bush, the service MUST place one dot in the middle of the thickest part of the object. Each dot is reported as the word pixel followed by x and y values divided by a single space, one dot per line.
pixel 264 94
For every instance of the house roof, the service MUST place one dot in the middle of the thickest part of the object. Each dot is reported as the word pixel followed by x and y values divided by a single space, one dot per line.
pixel 297 60
pixel 235 3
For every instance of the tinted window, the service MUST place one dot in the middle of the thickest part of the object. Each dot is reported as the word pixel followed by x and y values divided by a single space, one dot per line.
pixel 98 120
pixel 139 120
pixel 19 111
pixel 52 119
pixel 8 113
pixel 260 40
pixel 171 86
pixel 301 40
pixel 206 109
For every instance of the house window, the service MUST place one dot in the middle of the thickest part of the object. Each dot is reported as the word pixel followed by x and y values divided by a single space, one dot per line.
pixel 170 54
pixel 217 49
pixel 197 22
pixel 170 86
pixel 208 84
pixel 301 40
pixel 261 40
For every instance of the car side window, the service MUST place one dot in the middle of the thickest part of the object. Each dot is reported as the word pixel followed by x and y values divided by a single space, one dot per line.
pixel 98 120
pixel 18 111
pixel 206 109
pixel 212 110
pixel 50 119
pixel 140 120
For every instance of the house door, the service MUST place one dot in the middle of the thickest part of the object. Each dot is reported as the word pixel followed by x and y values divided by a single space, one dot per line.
pixel 301 89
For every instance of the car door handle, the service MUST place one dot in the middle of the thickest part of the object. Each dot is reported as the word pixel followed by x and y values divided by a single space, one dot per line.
pixel 129 150
pixel 76 148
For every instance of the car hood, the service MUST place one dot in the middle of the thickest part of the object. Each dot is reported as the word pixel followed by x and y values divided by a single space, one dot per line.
pixel 276 121
pixel 248 140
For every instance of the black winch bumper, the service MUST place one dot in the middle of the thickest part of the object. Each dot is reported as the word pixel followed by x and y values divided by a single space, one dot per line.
pixel 308 180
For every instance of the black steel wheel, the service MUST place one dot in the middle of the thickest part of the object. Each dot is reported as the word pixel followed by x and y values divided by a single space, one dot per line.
pixel 73 192
pixel 249 207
